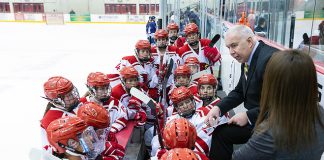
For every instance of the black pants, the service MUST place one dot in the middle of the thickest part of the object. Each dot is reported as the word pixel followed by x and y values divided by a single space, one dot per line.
pixel 224 137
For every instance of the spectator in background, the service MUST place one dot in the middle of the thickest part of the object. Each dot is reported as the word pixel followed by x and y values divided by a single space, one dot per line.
pixel 172 17
pixel 321 33
pixel 289 126
pixel 150 29
pixel 251 19
pixel 261 28
pixel 72 11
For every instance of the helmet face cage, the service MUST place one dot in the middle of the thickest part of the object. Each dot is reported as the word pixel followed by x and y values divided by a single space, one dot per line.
pixel 101 93
pixel 68 101
pixel 87 143
pixel 173 35
pixel 129 77
pixel 143 50
pixel 162 43
pixel 161 38
pixel 207 91
pixel 130 82
pixel 207 87
pixel 182 76
pixel 186 108
pixel 61 130
pixel 194 68
pixel 192 39
pixel 144 55
pixel 182 80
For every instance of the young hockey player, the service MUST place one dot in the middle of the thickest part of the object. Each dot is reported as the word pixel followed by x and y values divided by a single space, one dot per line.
pixel 207 87
pixel 63 99
pixel 179 133
pixel 162 54
pixel 174 39
pixel 193 64
pixel 182 77
pixel 71 138
pixel 198 48
pixel 186 107
pixel 135 109
pixel 141 61
pixel 100 92
pixel 98 117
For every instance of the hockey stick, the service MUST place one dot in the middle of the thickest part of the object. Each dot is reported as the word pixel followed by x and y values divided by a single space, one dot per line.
pixel 165 80
pixel 214 40
pixel 199 74
pixel 151 103
pixel 38 154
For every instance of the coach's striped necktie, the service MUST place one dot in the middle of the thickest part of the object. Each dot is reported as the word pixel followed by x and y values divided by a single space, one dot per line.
pixel 246 69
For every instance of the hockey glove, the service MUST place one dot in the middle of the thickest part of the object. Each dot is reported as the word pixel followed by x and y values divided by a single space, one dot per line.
pixel 113 151
pixel 112 137
pixel 140 117
pixel 134 103
pixel 212 54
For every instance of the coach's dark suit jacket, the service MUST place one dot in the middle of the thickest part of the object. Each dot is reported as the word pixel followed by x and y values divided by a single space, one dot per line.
pixel 249 90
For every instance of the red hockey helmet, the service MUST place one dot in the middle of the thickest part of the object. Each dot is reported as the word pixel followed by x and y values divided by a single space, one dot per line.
pixel 56 87
pixel 161 33
pixel 97 79
pixel 61 130
pixel 129 72
pixel 173 26
pixel 207 79
pixel 191 28
pixel 179 133
pixel 94 115
pixel 179 154
pixel 180 94
pixel 182 70
pixel 192 60
pixel 143 44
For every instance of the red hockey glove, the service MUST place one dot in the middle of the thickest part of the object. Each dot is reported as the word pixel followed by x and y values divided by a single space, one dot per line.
pixel 180 41
pixel 159 110
pixel 140 117
pixel 134 103
pixel 212 54
pixel 162 69
pixel 113 151
pixel 112 137
pixel 161 152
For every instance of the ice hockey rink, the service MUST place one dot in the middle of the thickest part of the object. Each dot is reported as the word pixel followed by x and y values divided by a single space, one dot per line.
pixel 30 53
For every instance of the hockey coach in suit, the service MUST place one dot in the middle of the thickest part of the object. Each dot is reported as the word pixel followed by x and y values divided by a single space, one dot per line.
pixel 253 56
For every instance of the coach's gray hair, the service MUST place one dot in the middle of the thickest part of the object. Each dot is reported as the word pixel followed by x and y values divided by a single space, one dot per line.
pixel 241 30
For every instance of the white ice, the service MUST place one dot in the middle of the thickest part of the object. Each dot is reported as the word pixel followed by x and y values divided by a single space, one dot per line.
pixel 31 53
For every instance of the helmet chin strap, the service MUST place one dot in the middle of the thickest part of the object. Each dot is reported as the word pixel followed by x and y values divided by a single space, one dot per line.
pixel 207 100
pixel 142 60
pixel 71 151
pixel 173 39
pixel 188 114
pixel 74 154
pixel 162 47
pixel 193 43
pixel 103 100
